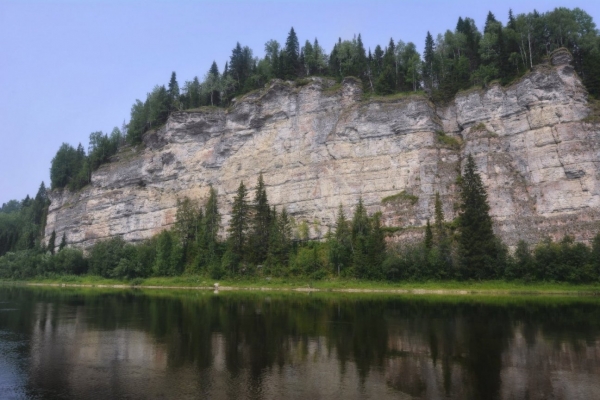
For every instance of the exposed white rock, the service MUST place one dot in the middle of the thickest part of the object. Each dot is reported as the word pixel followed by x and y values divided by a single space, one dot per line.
pixel 321 145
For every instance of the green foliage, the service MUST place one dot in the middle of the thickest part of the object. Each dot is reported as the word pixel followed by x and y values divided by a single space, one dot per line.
pixel 477 244
pixel 105 256
pixel 22 223
pixel 258 239
pixel 446 140
pixel 209 240
pixel 402 196
pixel 238 228
pixel 52 242
pixel 428 235
pixel 67 166
pixel 260 236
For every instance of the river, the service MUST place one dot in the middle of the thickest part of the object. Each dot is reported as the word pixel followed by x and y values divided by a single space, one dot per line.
pixel 62 343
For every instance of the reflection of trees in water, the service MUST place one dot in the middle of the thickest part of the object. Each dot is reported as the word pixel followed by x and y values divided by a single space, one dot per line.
pixel 457 349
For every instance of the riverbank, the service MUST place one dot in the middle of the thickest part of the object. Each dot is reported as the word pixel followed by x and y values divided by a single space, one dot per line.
pixel 193 282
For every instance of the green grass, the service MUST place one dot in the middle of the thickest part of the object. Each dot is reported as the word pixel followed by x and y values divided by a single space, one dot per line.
pixel 448 141
pixel 496 287
pixel 402 196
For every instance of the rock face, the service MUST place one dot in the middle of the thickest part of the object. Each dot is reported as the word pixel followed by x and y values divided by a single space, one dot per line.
pixel 322 144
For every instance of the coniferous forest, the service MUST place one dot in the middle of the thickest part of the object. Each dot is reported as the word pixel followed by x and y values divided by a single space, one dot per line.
pixel 263 240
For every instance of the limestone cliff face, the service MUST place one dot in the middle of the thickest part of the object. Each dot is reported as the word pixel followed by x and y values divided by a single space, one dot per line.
pixel 321 144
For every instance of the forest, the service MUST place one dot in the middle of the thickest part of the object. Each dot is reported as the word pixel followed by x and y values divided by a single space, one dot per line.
pixel 452 61
pixel 265 241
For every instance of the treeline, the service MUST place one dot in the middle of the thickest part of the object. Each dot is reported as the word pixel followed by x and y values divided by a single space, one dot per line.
pixel 457 59
pixel 22 222
pixel 72 168
pixel 264 241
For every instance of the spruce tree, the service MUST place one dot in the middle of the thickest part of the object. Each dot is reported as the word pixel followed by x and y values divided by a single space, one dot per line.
pixel 210 229
pixel 440 229
pixel 63 242
pixel 360 233
pixel 596 254
pixel 428 56
pixel 259 239
pixel 52 242
pixel 292 55
pixel 376 246
pixel 360 62
pixel 428 235
pixel 238 226
pixel 477 244
pixel 173 92
pixel 280 235
pixel 340 247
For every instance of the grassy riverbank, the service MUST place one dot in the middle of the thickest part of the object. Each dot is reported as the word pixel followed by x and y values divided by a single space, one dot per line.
pixel 334 285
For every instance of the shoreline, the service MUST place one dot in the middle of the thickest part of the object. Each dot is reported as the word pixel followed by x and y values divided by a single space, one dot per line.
pixel 587 292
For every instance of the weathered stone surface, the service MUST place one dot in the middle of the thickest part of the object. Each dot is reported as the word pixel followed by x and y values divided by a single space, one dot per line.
pixel 320 145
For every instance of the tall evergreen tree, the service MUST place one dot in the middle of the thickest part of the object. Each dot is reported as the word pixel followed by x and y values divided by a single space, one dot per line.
pixel 63 242
pixel 292 55
pixel 360 234
pixel 428 235
pixel 477 244
pixel 340 246
pixel 440 229
pixel 173 92
pixel 261 220
pixel 428 58
pixel 238 225
pixel 52 242
pixel 360 62
pixel 210 230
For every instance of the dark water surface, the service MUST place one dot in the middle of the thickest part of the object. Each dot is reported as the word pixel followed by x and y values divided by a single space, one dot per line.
pixel 78 344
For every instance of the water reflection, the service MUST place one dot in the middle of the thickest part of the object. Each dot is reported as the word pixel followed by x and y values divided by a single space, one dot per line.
pixel 126 344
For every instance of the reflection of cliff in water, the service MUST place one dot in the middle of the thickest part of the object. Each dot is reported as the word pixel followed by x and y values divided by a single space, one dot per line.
pixel 237 346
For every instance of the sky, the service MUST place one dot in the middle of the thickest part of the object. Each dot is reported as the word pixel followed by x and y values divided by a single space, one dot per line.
pixel 69 68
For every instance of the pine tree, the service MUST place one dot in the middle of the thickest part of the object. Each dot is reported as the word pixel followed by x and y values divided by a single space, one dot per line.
pixel 489 23
pixel 210 230
pixel 292 55
pixel 428 235
pixel 280 234
pixel 340 247
pixel 360 234
pixel 238 226
pixel 596 254
pixel 477 244
pixel 52 242
pixel 360 63
pixel 63 242
pixel 173 92
pixel 259 238
pixel 428 56
pixel 440 229
pixel 386 82
pixel 376 246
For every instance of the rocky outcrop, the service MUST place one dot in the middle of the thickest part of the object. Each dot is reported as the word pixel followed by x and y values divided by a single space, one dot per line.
pixel 322 144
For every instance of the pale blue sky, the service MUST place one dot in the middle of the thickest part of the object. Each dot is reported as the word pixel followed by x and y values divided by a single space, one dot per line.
pixel 68 68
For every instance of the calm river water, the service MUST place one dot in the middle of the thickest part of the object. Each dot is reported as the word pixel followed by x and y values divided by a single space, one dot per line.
pixel 94 344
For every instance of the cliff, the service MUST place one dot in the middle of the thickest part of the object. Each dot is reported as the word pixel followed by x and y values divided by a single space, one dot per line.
pixel 320 144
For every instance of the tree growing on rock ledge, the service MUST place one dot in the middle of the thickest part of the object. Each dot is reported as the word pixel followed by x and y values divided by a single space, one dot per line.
pixel 477 243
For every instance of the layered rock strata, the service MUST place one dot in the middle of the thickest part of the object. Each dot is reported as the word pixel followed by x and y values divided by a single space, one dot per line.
pixel 322 144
